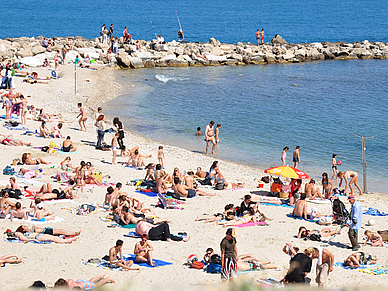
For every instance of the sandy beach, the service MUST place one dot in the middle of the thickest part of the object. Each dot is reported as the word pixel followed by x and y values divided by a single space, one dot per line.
pixel 49 262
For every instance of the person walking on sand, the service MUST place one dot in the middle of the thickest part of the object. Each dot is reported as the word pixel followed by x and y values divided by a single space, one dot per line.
pixel 84 117
pixel 355 222
pixel 229 256
pixel 161 156
pixel 296 157
pixel 284 155
pixel 258 36
pixel 114 147
pixel 209 137
pixel 23 102
pixel 324 264
pixel 350 177
pixel 143 251
pixel 116 259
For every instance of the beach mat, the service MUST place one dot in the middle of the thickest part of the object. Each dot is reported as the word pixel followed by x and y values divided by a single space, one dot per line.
pixel 248 224
pixel 149 194
pixel 34 221
pixel 105 264
pixel 32 241
pixel 114 224
pixel 374 212
pixel 378 271
pixel 281 205
pixel 319 201
pixel 301 218
pixel 341 264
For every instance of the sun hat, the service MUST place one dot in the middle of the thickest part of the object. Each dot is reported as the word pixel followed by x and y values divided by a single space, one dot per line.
pixel 351 197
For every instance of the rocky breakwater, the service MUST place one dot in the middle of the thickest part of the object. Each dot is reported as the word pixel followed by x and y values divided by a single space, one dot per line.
pixel 178 54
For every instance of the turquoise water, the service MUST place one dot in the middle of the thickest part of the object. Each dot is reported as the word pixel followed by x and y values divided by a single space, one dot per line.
pixel 262 109
pixel 228 21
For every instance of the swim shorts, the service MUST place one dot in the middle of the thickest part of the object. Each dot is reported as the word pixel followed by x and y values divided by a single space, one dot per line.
pixel 48 230
pixel 296 160
pixel 191 193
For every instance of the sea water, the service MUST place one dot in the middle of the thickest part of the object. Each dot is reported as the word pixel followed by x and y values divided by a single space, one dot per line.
pixel 229 21
pixel 316 105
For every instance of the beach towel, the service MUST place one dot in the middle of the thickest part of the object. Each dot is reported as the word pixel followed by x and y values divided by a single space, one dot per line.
pixel 5 117
pixel 341 264
pixel 319 201
pixel 35 221
pixel 16 240
pixel 282 205
pixel 378 271
pixel 248 224
pixel 115 224
pixel 19 127
pixel 148 193
pixel 375 212
pixel 301 218
pixel 105 264
pixel 132 234
pixel 270 282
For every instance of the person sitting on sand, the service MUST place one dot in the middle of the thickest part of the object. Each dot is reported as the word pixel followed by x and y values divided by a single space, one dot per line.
pixel 116 259
pixel 5 205
pixel 249 217
pixel 18 212
pixel 89 175
pixel 248 203
pixel 311 192
pixel 56 130
pixel 375 239
pixel 249 263
pixel 108 195
pixel 350 177
pixel 158 232
pixel 159 173
pixel 200 173
pixel 300 209
pixel 161 186
pixel 25 236
pixel 48 230
pixel 43 130
pixel 83 284
pixel 68 145
pixel 41 215
pixel 143 251
pixel 305 233
pixel 10 259
pixel 227 185
pixel 288 249
pixel 26 160
pixel 355 260
pixel 34 206
pixel 184 191
pixel 150 173
pixel 228 214
pixel 177 177
pixel 189 180
pixel 86 66
pixel 66 164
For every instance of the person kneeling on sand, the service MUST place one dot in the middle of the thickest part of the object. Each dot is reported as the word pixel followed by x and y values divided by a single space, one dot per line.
pixel 116 262
pixel 143 251
pixel 184 191
pixel 300 209
pixel 158 232
pixel 83 284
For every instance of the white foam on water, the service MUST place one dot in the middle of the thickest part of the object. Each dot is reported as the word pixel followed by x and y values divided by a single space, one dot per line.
pixel 165 79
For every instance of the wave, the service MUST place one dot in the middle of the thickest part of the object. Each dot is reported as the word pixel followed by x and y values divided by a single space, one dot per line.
pixel 165 79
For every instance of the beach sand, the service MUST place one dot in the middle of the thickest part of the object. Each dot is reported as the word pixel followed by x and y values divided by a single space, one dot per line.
pixel 52 261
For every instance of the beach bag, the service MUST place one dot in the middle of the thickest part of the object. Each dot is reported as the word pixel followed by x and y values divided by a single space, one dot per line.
pixel 197 265
pixel 45 149
pixel 216 259
pixel 384 235
pixel 206 181
pixel 265 179
pixel 219 186
pixel 213 268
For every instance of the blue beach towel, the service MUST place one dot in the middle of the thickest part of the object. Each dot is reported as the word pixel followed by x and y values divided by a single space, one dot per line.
pixel 5 117
pixel 149 194
pixel 375 212
pixel 19 127
pixel 341 264
pixel 35 242
pixel 301 218
pixel 281 205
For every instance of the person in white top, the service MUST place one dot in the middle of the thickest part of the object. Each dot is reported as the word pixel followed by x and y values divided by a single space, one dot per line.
pixel 100 124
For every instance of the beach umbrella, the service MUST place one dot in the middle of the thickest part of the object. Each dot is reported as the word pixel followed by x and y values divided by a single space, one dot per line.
pixel 31 61
pixel 287 171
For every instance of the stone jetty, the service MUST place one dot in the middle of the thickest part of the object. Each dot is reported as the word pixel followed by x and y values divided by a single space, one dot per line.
pixel 182 54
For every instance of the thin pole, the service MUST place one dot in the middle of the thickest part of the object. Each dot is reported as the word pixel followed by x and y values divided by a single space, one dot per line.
pixel 180 26
pixel 153 28
pixel 364 181
pixel 241 31
pixel 75 78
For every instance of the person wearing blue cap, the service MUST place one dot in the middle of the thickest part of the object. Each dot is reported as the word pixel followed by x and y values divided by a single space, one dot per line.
pixel 229 256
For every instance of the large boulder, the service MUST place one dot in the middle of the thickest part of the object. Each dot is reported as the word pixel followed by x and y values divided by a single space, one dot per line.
pixel 314 54
pixel 123 60
pixel 168 58
pixel 269 57
pixel 24 53
pixel 161 47
pixel 149 64
pixel 277 39
pixel 214 42
pixel 178 63
pixel 136 63
pixel 161 63
pixel 38 50
pixel 213 58
pixel 217 51
pixel 103 46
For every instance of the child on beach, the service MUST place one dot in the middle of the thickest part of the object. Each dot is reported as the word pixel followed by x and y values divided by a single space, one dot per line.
pixel 161 156
pixel 217 132
pixel 296 157
pixel 66 164
pixel 375 239
pixel 43 130
pixel 284 155
pixel 114 147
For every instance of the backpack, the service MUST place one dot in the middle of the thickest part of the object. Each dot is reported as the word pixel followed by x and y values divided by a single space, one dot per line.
pixel 213 268
pixel 206 181
pixel 219 186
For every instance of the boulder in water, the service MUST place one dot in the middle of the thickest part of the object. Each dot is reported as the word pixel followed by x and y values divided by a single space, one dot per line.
pixel 277 39
pixel 214 42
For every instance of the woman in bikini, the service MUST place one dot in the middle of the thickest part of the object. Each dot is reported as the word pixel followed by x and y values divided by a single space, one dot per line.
pixel 228 212
pixel 355 260
pixel 135 160
pixel 84 117
pixel 350 177
pixel 327 186
pixel 284 155
pixel 24 235
pixel 50 231
pixel 228 185
pixel 334 166
pixel 375 239
pixel 56 130
pixel 79 175
pixel 177 177
pixel 89 175
pixel 5 205
pixel 304 232
pixel 249 217
pixel 26 160
pixel 250 263
pixel 7 103
pixel 159 173
pixel 47 193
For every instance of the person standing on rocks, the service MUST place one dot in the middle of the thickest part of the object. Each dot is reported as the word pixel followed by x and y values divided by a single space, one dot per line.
pixel 258 36
pixel 64 51
pixel 262 36
pixel 181 35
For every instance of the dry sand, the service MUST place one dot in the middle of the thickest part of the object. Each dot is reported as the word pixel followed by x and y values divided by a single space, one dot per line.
pixel 52 261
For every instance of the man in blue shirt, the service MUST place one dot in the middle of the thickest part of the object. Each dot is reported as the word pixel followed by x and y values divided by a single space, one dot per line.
pixel 355 222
